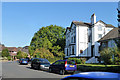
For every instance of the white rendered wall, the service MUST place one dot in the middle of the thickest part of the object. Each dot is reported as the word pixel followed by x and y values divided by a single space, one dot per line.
pixel 82 40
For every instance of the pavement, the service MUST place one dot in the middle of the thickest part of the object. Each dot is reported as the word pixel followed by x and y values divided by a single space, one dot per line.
pixel 12 69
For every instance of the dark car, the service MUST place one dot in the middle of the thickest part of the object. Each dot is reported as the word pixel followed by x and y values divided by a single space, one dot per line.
pixel 93 76
pixel 40 63
pixel 63 66
pixel 23 61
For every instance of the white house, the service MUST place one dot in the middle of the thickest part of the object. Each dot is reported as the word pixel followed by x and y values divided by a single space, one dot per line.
pixel 82 37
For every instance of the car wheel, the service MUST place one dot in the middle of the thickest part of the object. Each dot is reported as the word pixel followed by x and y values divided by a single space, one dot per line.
pixel 32 67
pixel 62 72
pixel 50 70
pixel 38 67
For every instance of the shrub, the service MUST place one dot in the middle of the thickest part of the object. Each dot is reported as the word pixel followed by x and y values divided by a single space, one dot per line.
pixel 9 58
pixel 78 61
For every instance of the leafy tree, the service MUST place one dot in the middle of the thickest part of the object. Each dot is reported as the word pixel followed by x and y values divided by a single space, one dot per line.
pixel 5 52
pixel 106 55
pixel 116 55
pixel 111 55
pixel 21 54
pixel 50 38
pixel 43 53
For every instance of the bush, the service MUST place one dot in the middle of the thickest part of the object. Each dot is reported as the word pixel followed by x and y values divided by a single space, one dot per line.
pixel 78 60
pixel 9 58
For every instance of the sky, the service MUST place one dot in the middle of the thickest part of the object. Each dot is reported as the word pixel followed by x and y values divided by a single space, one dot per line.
pixel 20 20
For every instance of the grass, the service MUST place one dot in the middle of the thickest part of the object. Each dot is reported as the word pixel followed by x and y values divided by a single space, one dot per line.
pixel 98 67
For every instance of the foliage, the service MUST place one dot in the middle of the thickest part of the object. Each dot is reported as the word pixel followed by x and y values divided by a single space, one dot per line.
pixel 117 41
pixel 5 52
pixel 43 53
pixel 106 55
pixel 21 54
pixel 78 60
pixel 98 67
pixel 50 39
pixel 111 55
pixel 116 55
pixel 9 58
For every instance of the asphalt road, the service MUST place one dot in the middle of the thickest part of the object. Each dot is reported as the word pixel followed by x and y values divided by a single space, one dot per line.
pixel 14 70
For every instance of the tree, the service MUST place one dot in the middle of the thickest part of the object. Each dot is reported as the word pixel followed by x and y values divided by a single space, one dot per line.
pixel 116 55
pixel 50 38
pixel 21 54
pixel 5 52
pixel 43 53
pixel 106 55
pixel 111 55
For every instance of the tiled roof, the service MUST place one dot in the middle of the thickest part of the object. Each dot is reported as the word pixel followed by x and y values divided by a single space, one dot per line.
pixel 12 49
pixel 110 35
pixel 81 23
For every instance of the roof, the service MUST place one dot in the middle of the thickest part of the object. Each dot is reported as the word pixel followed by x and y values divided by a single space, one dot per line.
pixel 12 48
pixel 107 25
pixel 81 23
pixel 110 35
pixel 95 75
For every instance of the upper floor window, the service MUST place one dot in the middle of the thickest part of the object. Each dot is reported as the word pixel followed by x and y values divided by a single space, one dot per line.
pixel 99 36
pixel 99 28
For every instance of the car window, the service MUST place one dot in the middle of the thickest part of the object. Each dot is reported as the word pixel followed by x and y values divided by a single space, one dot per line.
pixel 62 62
pixel 71 62
pixel 56 63
pixel 44 61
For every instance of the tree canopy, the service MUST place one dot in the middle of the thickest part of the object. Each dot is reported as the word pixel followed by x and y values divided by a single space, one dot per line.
pixel 5 52
pixel 49 40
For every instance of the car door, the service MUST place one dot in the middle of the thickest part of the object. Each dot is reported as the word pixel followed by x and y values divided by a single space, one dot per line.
pixel 34 63
pixel 55 65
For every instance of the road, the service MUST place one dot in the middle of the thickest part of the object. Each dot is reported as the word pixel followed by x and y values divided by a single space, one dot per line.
pixel 14 70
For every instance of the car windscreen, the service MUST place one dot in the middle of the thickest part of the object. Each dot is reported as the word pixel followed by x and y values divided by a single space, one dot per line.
pixel 24 59
pixel 71 62
pixel 44 61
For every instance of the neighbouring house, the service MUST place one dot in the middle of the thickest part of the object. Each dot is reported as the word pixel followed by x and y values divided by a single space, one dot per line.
pixel 82 37
pixel 13 51
pixel 24 49
pixel 109 40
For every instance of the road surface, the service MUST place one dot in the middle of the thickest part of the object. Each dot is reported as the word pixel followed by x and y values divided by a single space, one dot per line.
pixel 12 69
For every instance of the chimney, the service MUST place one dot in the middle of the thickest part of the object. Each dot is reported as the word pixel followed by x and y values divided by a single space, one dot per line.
pixel 93 19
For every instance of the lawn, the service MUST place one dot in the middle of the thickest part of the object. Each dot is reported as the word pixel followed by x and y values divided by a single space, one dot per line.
pixel 98 67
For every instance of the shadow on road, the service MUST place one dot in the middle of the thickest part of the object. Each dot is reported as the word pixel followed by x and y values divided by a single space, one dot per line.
pixel 48 71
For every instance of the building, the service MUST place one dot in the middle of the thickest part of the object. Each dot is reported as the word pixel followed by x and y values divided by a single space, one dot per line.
pixel 109 40
pixel 82 37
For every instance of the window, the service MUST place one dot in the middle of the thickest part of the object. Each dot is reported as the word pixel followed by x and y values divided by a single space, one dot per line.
pixel 99 28
pixel 67 52
pixel 72 50
pixel 56 63
pixel 99 36
pixel 81 51
pixel 74 39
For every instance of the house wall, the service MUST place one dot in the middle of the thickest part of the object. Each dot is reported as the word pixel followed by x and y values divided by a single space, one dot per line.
pixel 82 40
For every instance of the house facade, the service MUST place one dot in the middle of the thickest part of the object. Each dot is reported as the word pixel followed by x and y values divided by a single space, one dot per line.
pixel 109 40
pixel 82 37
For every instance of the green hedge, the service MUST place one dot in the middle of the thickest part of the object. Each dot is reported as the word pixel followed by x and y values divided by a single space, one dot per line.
pixel 106 68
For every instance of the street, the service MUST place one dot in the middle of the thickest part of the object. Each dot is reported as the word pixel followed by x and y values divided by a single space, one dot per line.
pixel 14 70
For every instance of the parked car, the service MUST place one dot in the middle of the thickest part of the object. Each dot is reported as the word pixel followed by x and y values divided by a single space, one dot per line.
pixel 63 66
pixel 40 63
pixel 94 76
pixel 23 61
